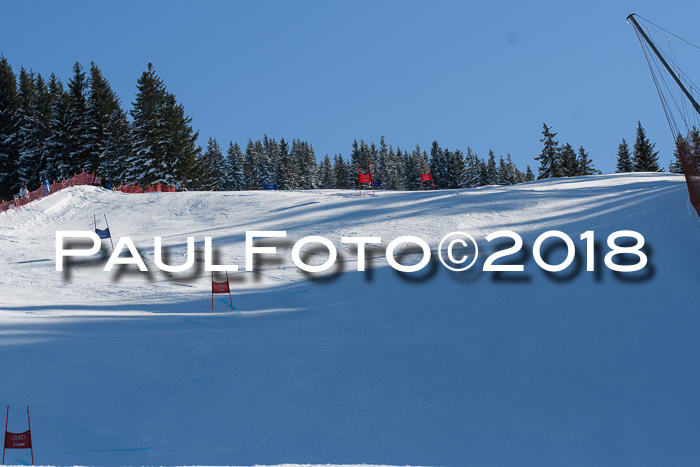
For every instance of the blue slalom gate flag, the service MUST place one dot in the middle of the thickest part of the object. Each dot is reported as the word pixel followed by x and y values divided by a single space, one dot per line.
pixel 377 183
pixel 103 233
pixel 271 186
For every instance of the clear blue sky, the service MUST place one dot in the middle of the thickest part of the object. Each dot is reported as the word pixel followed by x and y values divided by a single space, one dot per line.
pixel 484 74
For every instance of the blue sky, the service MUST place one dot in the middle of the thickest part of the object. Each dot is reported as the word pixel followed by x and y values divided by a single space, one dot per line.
pixel 483 74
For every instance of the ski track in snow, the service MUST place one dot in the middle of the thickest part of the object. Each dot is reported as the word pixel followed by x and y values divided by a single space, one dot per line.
pixel 435 368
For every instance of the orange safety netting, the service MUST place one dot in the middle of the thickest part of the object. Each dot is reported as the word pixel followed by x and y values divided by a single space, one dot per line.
pixel 80 179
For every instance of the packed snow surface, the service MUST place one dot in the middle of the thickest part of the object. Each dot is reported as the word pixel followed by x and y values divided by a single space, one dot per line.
pixel 429 368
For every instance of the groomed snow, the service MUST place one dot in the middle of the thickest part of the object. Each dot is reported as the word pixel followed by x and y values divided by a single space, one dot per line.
pixel 433 368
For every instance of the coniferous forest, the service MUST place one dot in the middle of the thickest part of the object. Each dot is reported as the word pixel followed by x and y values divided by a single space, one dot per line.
pixel 51 130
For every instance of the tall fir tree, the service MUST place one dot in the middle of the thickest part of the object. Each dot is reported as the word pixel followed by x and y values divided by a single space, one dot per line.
pixel 325 174
pixel 287 170
pixel 550 165
pixel 624 159
pixel 165 148
pixel 362 156
pixel 412 168
pixel 149 138
pixel 263 170
pixel 303 153
pixel 394 179
pixel 57 142
pixel 341 173
pixel 491 169
pixel 356 157
pixel 235 178
pixel 471 172
pixel 502 171
pixel 29 139
pixel 9 126
pixel 271 151
pixel 484 176
pixel 34 116
pixel 79 147
pixel 215 167
pixel 584 163
pixel 644 158
pixel 512 175
pixel 102 102
pixel 373 157
pixel 43 108
pixel 117 150
pixel 529 176
pixel 438 165
pixel 455 168
pixel 251 166
pixel 381 173
pixel 183 158
pixel 569 164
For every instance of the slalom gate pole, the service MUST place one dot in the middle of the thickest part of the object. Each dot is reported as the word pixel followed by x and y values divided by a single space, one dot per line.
pixel 29 425
pixel 421 180
pixel 359 185
pixel 369 167
pixel 7 416
pixel 110 232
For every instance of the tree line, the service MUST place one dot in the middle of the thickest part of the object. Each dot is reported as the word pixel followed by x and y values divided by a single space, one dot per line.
pixel 294 166
pixel 48 130
pixel 562 160
pixel 644 158
pixel 51 130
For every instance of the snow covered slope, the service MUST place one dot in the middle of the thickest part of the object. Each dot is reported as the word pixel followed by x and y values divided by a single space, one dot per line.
pixel 436 367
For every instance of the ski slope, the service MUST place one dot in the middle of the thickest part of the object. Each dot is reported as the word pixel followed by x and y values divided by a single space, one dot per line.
pixel 430 368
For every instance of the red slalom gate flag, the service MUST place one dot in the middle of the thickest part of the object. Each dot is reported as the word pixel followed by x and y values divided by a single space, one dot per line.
pixel 426 178
pixel 220 287
pixel 364 178
pixel 17 440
